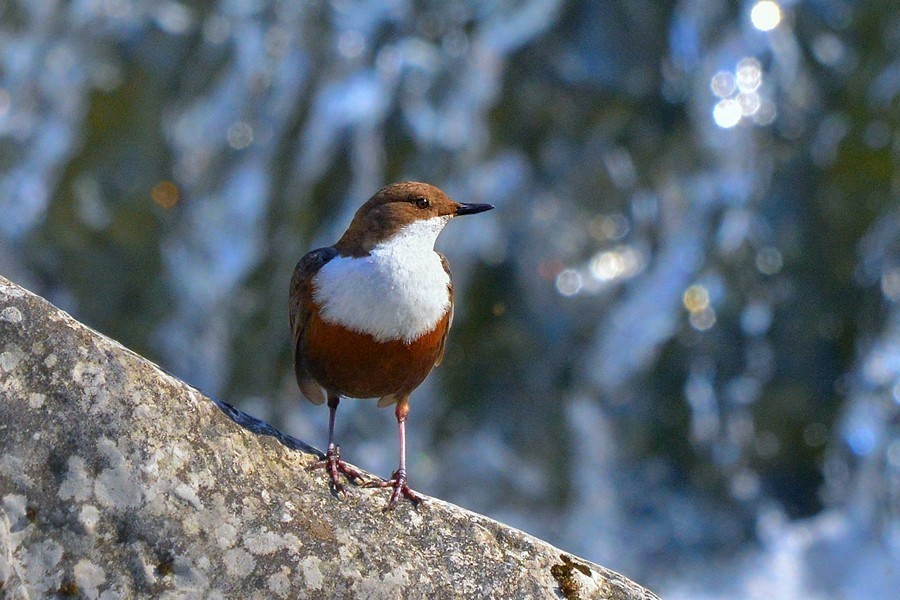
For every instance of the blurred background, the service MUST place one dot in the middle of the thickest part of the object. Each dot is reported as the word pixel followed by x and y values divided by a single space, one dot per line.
pixel 677 341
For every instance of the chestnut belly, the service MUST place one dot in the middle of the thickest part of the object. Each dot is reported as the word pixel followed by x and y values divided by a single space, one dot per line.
pixel 356 365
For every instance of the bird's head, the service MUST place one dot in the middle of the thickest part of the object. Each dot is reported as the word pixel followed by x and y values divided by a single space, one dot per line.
pixel 409 208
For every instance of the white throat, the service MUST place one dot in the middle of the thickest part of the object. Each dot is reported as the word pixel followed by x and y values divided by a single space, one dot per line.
pixel 399 291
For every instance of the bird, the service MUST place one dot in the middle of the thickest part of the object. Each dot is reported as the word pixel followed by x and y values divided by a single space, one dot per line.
pixel 370 315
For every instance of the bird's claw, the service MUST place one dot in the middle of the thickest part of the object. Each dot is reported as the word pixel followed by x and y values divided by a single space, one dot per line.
pixel 398 482
pixel 334 466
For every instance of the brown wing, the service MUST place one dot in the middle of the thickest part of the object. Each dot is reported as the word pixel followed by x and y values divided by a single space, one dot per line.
pixel 299 310
pixel 446 265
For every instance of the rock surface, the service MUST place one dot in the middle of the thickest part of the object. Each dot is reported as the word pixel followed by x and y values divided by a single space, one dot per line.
pixel 117 480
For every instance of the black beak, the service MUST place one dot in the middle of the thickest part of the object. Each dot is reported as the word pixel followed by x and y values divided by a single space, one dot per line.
pixel 471 209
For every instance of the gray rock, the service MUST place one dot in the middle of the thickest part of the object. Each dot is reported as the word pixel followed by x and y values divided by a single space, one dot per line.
pixel 117 480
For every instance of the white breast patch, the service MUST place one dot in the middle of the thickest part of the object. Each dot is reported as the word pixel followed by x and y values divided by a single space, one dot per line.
pixel 399 291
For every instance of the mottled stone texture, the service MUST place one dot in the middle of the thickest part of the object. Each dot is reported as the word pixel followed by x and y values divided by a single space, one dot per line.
pixel 119 481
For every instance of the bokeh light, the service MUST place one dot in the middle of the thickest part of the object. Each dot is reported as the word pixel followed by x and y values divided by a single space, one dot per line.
pixel 702 320
pixel 568 282
pixel 723 84
pixel 695 298
pixel 727 113
pixel 165 194
pixel 606 265
pixel 828 49
pixel 608 227
pixel 769 261
pixel 766 113
pixel 741 96
pixel 749 103
pixel 240 135
pixel 618 263
pixel 765 15
pixel 748 75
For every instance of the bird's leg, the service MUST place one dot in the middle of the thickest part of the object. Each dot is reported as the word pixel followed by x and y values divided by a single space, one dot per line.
pixel 332 462
pixel 398 479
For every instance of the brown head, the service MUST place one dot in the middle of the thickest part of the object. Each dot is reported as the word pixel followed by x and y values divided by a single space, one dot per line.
pixel 395 206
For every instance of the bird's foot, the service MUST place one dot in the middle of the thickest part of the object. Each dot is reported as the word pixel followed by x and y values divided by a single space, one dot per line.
pixel 334 466
pixel 399 483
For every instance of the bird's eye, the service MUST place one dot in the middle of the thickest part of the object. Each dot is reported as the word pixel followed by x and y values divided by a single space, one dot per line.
pixel 422 202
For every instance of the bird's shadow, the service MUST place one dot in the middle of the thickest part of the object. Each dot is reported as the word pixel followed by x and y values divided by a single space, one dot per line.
pixel 262 428
pixel 256 426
